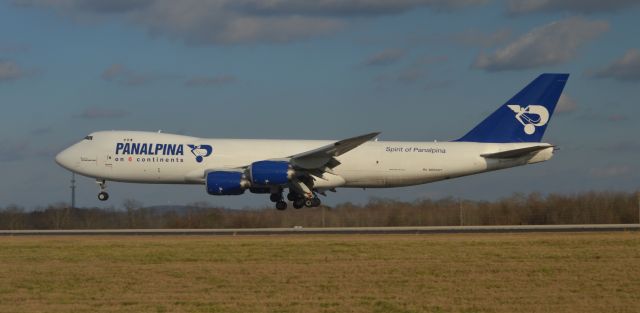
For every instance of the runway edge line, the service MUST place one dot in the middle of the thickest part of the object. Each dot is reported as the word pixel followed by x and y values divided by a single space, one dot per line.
pixel 337 231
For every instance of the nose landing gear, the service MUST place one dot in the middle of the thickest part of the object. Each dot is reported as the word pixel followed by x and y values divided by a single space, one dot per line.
pixel 103 195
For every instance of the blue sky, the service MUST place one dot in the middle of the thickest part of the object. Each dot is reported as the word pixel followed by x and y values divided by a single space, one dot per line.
pixel 412 69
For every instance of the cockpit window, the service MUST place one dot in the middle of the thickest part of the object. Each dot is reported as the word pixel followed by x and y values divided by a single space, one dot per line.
pixel 88 137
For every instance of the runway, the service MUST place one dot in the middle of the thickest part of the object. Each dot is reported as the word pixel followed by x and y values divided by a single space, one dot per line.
pixel 331 231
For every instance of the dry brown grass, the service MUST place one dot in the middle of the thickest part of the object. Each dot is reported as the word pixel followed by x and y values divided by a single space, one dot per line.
pixel 379 273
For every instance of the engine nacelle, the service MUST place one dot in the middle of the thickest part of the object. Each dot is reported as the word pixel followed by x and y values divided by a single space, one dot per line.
pixel 221 183
pixel 262 190
pixel 270 173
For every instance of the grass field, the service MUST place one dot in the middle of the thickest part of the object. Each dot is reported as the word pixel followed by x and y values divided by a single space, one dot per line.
pixel 332 273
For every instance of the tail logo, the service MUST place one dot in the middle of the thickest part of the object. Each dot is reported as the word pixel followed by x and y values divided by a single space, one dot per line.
pixel 201 151
pixel 530 117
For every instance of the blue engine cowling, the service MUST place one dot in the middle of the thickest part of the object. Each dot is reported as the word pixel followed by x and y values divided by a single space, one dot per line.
pixel 270 173
pixel 262 190
pixel 225 183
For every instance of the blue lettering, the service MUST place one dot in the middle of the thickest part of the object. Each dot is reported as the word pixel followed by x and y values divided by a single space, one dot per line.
pixel 149 148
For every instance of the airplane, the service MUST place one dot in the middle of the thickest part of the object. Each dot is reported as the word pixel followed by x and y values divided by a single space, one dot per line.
pixel 511 136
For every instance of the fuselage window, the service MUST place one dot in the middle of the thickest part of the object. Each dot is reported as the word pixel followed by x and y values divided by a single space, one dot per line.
pixel 88 138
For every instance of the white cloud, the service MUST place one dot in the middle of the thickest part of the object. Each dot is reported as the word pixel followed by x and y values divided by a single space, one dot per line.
pixel 9 70
pixel 566 104
pixel 579 6
pixel 623 146
pixel 350 7
pixel 13 150
pixel 14 48
pixel 611 171
pixel 121 74
pixel 201 81
pixel 241 21
pixel 626 68
pixel 385 57
pixel 551 44
pixel 102 113
pixel 476 38
pixel 438 84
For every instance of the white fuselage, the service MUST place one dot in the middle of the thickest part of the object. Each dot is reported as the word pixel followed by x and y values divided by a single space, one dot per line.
pixel 106 156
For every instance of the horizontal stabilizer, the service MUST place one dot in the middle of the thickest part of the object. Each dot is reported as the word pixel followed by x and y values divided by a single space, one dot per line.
pixel 515 153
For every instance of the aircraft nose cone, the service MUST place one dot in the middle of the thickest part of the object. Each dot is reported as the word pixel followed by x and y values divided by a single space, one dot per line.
pixel 64 159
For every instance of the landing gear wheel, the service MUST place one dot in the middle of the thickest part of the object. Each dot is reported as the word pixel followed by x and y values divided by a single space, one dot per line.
pixel 281 205
pixel 308 203
pixel 298 204
pixel 315 202
pixel 275 197
pixel 103 196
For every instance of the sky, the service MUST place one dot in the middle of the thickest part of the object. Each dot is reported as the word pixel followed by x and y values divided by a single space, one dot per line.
pixel 415 70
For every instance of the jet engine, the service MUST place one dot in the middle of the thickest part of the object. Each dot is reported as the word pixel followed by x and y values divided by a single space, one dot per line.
pixel 270 173
pixel 220 183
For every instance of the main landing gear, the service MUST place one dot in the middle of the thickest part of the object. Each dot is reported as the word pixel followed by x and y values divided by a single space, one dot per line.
pixel 103 195
pixel 308 202
pixel 277 198
pixel 281 205
pixel 298 200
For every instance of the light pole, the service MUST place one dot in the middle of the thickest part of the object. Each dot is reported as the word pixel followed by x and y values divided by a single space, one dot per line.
pixel 461 213
pixel 73 190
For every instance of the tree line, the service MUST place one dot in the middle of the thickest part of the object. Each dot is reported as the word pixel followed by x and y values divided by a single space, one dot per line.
pixel 517 209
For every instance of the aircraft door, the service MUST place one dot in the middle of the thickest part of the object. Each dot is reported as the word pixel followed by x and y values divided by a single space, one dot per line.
pixel 108 161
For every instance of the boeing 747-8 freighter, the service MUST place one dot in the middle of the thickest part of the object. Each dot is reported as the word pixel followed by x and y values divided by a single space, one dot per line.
pixel 510 136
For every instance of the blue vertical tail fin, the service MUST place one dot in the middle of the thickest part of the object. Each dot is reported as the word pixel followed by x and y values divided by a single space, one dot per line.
pixel 525 117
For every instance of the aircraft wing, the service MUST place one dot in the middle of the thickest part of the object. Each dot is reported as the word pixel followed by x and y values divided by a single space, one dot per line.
pixel 515 153
pixel 323 157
